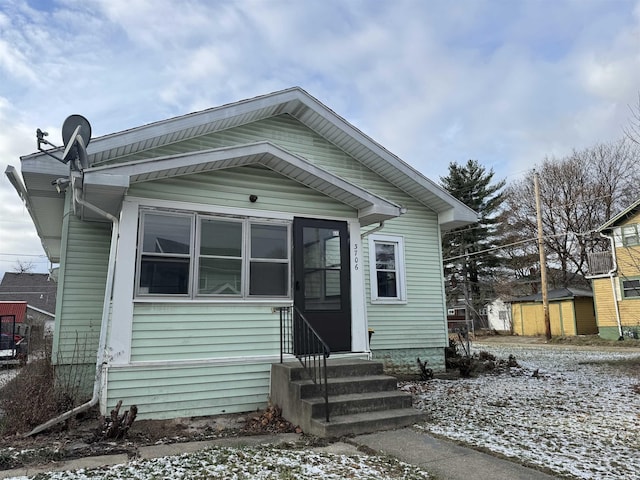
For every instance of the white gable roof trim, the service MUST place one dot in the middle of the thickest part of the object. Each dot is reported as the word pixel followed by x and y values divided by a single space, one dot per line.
pixel 312 113
pixel 98 181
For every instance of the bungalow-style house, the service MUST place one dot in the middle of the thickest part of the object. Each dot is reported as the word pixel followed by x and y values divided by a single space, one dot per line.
pixel 615 276
pixel 571 313
pixel 181 241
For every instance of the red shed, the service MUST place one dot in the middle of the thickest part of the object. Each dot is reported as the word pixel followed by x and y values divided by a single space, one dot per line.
pixel 19 309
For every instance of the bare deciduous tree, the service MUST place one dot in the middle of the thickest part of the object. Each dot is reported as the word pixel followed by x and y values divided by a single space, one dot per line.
pixel 23 266
pixel 632 131
pixel 579 193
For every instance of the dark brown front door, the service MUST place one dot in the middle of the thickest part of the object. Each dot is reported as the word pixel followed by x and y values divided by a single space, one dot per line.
pixel 322 279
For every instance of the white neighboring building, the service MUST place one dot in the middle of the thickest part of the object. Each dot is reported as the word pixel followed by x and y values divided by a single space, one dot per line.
pixel 499 315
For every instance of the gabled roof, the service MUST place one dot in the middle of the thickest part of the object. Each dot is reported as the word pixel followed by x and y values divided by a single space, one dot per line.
pixel 622 217
pixel 556 294
pixel 46 206
pixel 37 289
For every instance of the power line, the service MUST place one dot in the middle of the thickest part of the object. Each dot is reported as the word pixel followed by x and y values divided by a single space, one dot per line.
pixel 519 242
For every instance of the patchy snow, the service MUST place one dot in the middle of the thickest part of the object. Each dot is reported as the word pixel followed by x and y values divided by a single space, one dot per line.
pixel 260 463
pixel 7 374
pixel 579 417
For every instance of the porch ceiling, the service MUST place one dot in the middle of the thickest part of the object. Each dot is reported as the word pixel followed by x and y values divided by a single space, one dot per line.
pixel 113 179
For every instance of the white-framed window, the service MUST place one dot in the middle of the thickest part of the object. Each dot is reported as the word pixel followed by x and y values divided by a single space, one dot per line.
pixel 386 267
pixel 630 236
pixel 631 288
pixel 197 255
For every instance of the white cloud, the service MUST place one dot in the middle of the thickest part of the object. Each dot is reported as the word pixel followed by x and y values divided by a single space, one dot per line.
pixel 506 83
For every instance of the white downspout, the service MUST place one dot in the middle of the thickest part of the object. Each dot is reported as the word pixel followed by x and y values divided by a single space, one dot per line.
pixel 373 230
pixel 610 273
pixel 105 318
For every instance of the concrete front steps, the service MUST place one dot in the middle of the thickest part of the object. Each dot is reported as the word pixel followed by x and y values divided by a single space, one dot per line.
pixel 361 399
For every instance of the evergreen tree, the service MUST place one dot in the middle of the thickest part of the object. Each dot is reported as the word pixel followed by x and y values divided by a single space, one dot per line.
pixel 474 186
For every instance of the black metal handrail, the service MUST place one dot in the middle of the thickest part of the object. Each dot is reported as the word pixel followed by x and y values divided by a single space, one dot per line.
pixel 297 337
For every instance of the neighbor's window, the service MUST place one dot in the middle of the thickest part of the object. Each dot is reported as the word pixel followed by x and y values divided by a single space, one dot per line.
pixel 386 261
pixel 630 235
pixel 232 257
pixel 631 288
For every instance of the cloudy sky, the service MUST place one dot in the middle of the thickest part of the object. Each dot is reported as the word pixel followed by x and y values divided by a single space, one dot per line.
pixel 506 82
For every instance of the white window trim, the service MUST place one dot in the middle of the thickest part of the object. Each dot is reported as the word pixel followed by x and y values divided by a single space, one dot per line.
pixel 401 286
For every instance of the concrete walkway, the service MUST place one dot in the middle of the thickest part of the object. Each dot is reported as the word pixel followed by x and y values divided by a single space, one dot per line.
pixel 445 460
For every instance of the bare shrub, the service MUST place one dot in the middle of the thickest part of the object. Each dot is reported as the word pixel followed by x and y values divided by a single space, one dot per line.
pixel 41 391
pixel 29 398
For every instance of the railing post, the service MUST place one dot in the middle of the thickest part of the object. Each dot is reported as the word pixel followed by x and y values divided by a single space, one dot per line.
pixel 281 335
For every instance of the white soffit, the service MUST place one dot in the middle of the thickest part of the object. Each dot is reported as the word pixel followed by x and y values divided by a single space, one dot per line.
pixel 372 207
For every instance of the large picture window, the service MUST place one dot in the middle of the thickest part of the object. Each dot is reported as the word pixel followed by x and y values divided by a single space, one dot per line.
pixel 386 265
pixel 195 255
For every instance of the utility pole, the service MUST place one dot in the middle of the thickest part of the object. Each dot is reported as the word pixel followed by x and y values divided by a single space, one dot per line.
pixel 543 261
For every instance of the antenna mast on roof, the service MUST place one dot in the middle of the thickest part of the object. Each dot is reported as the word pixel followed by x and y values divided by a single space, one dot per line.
pixel 76 135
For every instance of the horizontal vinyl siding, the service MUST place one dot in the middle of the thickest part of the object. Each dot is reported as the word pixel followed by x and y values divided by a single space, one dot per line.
pixel 418 324
pixel 188 331
pixel 82 280
pixel 232 188
pixel 189 390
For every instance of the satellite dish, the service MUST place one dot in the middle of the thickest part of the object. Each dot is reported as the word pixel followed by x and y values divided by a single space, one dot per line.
pixel 76 135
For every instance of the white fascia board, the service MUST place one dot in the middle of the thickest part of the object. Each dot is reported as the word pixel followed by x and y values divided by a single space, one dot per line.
pixel 192 120
pixel 105 180
pixel 43 164
pixel 456 218
pixel 614 221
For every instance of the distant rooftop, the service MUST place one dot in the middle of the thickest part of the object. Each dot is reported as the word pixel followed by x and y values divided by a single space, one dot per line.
pixel 37 289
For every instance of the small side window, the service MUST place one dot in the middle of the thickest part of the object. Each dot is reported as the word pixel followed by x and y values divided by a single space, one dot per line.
pixel 630 235
pixel 386 267
pixel 631 288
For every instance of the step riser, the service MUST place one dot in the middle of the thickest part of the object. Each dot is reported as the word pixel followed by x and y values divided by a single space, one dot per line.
pixel 358 428
pixel 340 371
pixel 360 406
pixel 310 390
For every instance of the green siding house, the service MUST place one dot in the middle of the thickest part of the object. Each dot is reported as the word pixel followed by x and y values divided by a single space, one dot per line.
pixel 180 241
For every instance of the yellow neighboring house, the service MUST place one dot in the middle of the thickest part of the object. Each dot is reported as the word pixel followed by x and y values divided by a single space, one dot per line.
pixel 570 313
pixel 615 276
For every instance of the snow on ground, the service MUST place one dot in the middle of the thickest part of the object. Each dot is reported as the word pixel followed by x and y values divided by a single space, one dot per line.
pixel 580 417
pixel 260 463
pixel 7 374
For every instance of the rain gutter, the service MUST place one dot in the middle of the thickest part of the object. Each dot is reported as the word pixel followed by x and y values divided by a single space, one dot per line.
pixel 610 273
pixel 100 357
